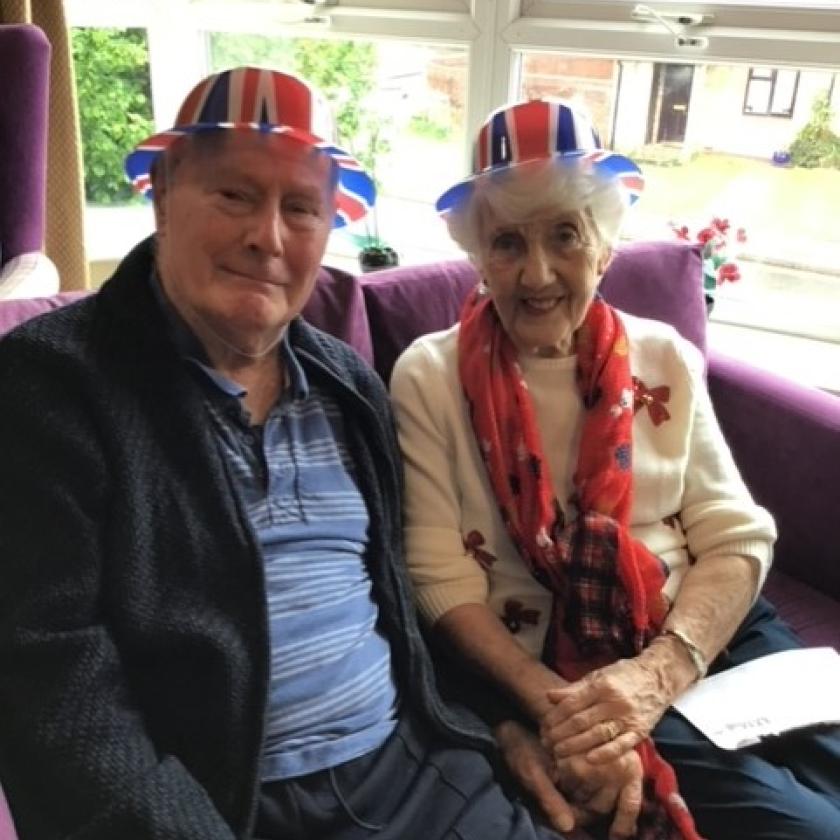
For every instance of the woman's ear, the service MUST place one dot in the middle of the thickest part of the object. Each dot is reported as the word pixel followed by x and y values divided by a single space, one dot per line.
pixel 604 260
pixel 483 286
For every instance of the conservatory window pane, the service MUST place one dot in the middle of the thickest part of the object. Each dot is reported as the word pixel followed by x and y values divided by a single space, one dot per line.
pixel 758 95
pixel 113 117
pixel 784 92
pixel 703 158
pixel 399 110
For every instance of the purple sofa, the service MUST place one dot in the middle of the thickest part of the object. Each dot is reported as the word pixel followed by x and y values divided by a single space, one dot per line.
pixel 785 437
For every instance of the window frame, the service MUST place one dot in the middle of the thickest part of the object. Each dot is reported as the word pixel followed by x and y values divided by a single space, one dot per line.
pixel 772 78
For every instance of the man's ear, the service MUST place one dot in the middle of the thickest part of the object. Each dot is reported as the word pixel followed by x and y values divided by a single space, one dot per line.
pixel 159 202
pixel 160 175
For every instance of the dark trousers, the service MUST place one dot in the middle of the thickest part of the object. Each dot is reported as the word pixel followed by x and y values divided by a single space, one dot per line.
pixel 785 789
pixel 415 787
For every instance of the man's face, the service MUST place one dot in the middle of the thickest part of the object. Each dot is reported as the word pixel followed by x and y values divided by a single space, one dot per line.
pixel 242 225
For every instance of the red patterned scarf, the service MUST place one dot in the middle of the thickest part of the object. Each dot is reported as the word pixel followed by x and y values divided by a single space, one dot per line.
pixel 607 585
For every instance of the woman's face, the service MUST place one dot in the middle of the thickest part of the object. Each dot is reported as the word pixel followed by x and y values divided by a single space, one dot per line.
pixel 542 274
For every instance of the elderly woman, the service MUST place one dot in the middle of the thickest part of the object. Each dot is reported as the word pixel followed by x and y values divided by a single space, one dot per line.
pixel 577 530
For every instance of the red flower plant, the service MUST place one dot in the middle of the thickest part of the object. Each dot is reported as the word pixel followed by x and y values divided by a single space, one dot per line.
pixel 714 238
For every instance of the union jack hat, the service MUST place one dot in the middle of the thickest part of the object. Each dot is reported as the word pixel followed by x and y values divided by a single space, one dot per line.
pixel 539 130
pixel 268 101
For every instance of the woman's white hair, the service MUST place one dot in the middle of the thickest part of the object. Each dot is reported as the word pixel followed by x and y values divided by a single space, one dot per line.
pixel 546 186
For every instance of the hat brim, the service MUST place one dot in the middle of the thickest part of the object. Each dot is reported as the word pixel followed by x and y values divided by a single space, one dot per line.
pixel 610 166
pixel 355 190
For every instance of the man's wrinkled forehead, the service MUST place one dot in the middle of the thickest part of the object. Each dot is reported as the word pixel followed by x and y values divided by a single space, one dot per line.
pixel 228 145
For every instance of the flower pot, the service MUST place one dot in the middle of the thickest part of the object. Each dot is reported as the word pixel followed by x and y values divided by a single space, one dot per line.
pixel 376 257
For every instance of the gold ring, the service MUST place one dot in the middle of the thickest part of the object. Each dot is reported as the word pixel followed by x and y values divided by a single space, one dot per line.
pixel 612 729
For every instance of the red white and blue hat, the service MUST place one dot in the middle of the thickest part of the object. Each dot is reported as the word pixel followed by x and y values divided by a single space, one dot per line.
pixel 268 101
pixel 542 129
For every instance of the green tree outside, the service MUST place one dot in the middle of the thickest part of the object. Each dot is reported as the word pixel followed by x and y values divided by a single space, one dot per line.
pixel 115 107
pixel 817 145
pixel 229 49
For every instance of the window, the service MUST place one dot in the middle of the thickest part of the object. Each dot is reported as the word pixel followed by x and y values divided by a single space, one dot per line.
pixel 698 106
pixel 112 117
pixel 771 92
pixel 703 158
pixel 394 104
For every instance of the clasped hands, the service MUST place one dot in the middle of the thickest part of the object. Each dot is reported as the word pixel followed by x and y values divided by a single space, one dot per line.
pixel 583 764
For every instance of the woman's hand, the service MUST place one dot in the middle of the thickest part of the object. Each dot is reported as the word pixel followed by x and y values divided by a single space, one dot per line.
pixel 607 713
pixel 590 791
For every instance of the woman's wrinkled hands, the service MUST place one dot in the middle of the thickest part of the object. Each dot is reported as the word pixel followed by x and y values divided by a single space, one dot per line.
pixel 605 714
pixel 574 792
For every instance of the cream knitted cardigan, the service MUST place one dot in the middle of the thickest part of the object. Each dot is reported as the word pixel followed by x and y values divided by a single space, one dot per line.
pixel 689 500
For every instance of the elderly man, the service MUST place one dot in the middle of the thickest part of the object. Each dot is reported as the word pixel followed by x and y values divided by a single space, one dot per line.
pixel 205 626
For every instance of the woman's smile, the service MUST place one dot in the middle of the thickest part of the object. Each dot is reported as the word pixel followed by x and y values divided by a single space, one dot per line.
pixel 542 305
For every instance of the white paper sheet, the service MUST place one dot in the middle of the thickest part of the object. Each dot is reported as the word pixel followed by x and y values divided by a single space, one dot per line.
pixel 768 696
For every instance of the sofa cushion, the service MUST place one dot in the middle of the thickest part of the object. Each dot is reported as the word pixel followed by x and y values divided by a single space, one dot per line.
pixel 814 616
pixel 337 306
pixel 28 275
pixel 14 312
pixel 660 280
pixel 405 303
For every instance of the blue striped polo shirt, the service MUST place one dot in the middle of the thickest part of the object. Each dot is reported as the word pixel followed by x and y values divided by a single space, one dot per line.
pixel 332 692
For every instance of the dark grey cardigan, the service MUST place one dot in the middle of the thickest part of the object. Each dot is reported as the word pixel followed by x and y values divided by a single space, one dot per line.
pixel 133 639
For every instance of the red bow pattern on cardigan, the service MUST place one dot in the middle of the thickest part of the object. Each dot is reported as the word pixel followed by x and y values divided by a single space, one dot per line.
pixel 653 399
pixel 472 544
pixel 607 586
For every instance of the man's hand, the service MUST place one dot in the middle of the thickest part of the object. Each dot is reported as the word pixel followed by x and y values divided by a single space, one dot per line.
pixel 596 790
pixel 605 714
pixel 590 791
pixel 532 767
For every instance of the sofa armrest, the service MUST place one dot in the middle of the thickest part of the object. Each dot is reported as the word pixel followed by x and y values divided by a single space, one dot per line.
pixel 786 441
pixel 7 828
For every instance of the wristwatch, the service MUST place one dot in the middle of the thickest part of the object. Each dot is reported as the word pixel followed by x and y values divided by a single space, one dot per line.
pixel 694 652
